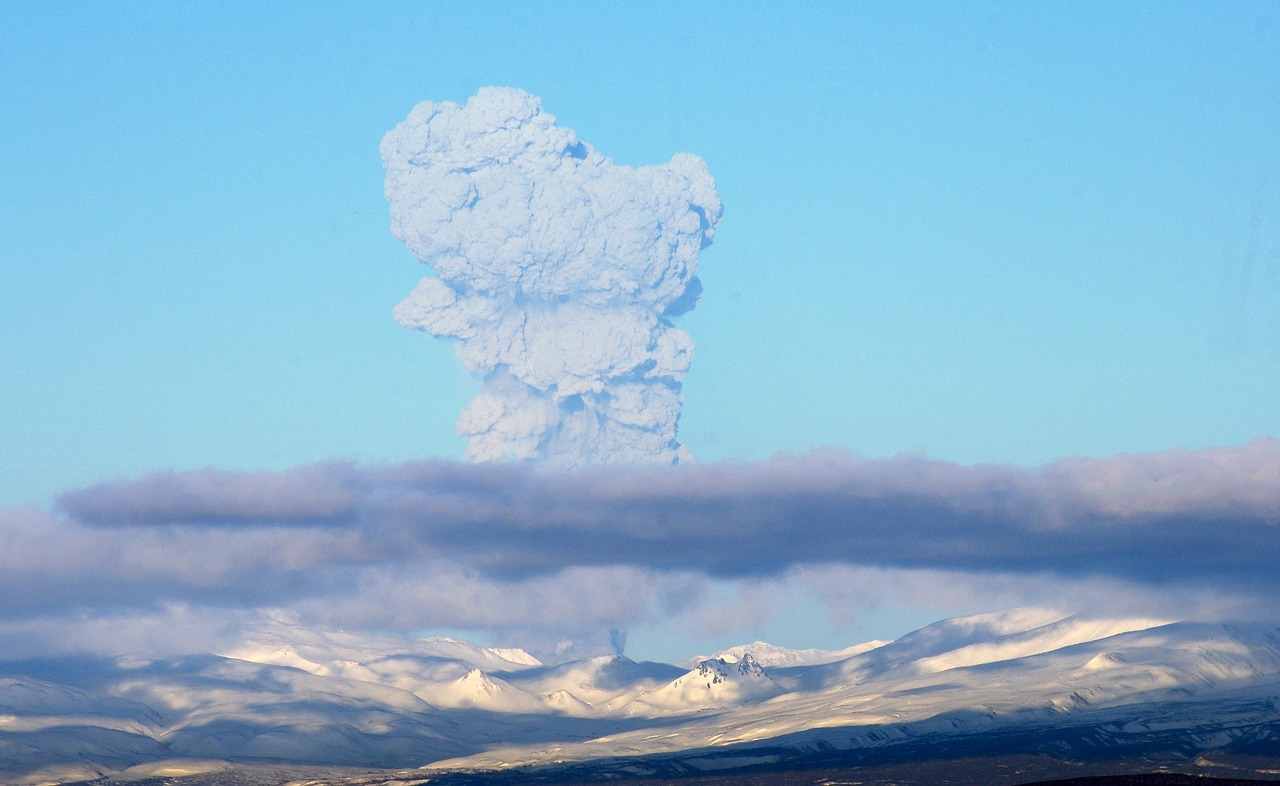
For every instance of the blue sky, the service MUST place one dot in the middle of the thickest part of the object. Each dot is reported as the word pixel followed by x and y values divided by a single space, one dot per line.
pixel 978 232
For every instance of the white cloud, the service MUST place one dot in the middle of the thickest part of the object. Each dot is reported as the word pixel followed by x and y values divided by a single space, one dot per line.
pixel 556 272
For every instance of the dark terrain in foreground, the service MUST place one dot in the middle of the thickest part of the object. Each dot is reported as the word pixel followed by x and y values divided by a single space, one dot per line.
pixel 1017 770
pixel 1092 747
pixel 1149 779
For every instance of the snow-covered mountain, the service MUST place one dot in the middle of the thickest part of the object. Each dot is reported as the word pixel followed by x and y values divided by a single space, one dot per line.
pixel 478 690
pixel 603 684
pixel 711 684
pixel 771 655
pixel 1026 681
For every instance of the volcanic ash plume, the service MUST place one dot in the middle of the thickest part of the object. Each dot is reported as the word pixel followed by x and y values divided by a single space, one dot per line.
pixel 557 272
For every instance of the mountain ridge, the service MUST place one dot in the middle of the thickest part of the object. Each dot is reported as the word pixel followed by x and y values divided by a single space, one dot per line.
pixel 1018 683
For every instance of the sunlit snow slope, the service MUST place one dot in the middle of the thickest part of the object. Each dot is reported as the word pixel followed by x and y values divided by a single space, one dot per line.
pixel 287 694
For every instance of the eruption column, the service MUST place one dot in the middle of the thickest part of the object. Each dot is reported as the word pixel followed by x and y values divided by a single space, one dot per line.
pixel 557 273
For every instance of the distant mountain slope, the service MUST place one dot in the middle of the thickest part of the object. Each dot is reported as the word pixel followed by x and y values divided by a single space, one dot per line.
pixel 1020 683
pixel 709 685
pixel 770 655
pixel 602 683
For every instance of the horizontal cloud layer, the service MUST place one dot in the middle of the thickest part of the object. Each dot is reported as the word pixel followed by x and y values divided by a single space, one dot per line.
pixel 525 552
pixel 1211 515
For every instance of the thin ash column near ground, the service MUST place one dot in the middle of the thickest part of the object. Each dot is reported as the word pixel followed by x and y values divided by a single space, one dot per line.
pixel 557 272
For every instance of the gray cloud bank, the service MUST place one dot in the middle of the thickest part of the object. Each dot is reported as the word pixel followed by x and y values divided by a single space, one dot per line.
pixel 1209 517
pixel 557 273
pixel 525 553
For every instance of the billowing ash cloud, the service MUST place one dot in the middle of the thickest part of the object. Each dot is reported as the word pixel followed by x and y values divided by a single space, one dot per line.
pixel 557 272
